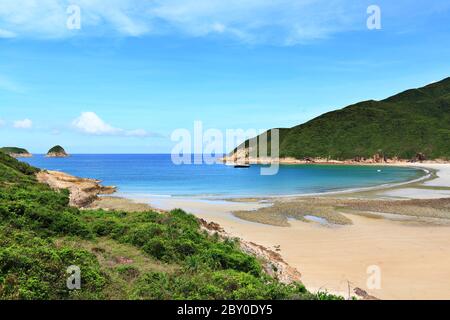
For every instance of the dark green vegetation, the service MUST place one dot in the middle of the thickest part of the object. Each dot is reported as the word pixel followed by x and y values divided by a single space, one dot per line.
pixel 57 149
pixel 14 150
pixel 412 122
pixel 121 255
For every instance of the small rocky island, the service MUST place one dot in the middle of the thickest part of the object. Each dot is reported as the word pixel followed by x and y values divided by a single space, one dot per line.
pixel 16 152
pixel 57 152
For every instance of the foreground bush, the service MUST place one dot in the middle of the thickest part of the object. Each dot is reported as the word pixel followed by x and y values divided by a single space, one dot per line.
pixel 40 236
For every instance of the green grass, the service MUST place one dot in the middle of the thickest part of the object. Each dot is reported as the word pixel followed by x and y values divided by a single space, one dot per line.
pixel 412 122
pixel 121 255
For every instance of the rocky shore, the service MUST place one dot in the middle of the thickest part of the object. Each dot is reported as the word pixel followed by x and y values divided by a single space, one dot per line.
pixel 56 155
pixel 83 192
pixel 20 155
pixel 243 156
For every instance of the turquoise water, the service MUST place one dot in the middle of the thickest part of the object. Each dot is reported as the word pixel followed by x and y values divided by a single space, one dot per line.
pixel 156 175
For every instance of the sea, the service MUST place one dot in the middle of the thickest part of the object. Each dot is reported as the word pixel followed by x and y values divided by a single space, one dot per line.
pixel 156 175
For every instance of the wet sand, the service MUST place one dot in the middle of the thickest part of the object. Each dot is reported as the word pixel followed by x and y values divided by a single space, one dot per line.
pixel 410 244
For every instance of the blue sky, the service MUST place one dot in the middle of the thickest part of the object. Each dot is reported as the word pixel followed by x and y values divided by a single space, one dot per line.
pixel 137 70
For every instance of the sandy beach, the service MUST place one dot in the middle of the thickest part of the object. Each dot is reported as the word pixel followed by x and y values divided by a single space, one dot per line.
pixel 333 240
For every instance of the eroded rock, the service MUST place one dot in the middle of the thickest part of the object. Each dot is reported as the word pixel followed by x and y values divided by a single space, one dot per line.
pixel 83 191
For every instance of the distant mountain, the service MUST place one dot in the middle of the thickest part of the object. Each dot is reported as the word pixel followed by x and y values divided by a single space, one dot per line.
pixel 57 152
pixel 16 152
pixel 414 123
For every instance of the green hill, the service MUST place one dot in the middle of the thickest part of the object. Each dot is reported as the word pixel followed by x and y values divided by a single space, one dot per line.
pixel 14 150
pixel 57 151
pixel 412 122
pixel 121 255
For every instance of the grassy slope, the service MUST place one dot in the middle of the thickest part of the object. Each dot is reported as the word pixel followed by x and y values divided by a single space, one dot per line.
pixel 415 121
pixel 121 255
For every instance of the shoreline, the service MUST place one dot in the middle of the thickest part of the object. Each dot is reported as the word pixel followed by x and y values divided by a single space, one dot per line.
pixel 330 255
pixel 429 174
pixel 376 160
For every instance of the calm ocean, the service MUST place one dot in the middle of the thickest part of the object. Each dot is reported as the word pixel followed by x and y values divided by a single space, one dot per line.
pixel 156 175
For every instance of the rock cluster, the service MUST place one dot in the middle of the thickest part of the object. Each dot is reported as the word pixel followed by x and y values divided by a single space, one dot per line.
pixel 82 191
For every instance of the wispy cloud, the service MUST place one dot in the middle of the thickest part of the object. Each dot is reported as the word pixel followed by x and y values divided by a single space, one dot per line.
pixel 2 122
pixel 23 124
pixel 90 123
pixel 6 84
pixel 7 34
pixel 255 21
pixel 285 21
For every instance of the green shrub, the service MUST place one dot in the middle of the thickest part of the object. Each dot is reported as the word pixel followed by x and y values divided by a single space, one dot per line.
pixel 33 258
pixel 224 284
pixel 128 272
pixel 34 268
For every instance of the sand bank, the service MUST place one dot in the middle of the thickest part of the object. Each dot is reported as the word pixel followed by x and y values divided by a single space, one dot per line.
pixel 443 173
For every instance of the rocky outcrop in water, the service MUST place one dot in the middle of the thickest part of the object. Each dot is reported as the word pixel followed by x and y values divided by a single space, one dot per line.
pixel 82 191
pixel 57 152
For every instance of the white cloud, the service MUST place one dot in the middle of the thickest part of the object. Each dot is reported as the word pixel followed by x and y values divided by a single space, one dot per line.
pixel 2 123
pixel 23 124
pixel 284 21
pixel 91 123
